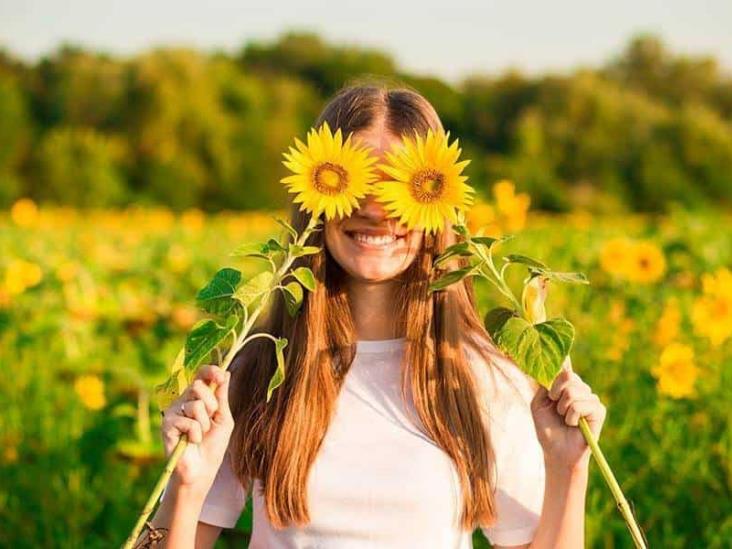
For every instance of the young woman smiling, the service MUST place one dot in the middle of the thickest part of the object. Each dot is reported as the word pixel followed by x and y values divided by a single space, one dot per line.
pixel 399 423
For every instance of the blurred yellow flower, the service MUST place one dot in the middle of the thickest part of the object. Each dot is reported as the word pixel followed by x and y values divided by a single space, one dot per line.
pixel 90 390
pixel 511 206
pixel 10 454
pixel 637 261
pixel 193 219
pixel 67 271
pixel 711 314
pixel 507 214
pixel 647 263
pixel 178 258
pixel 676 371
pixel 183 317
pixel 21 275
pixel 24 212
pixel 615 255
pixel 667 327
pixel 482 217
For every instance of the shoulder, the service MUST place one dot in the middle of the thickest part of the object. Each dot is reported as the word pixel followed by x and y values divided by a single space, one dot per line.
pixel 499 379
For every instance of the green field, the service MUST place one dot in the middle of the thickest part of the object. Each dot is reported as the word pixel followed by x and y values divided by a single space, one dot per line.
pixel 94 306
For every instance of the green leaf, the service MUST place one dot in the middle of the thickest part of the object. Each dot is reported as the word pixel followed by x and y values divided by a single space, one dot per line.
pixel 525 260
pixel 538 349
pixel 289 228
pixel 460 229
pixel 216 296
pixel 274 245
pixel 491 240
pixel 204 338
pixel 485 240
pixel 306 277
pixel 450 278
pixel 279 375
pixel 293 297
pixel 298 251
pixel 173 387
pixel 252 250
pixel 572 278
pixel 256 286
pixel 461 248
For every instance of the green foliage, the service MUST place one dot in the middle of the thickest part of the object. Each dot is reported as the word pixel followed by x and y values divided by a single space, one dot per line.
pixel 539 349
pixel 183 128
pixel 70 478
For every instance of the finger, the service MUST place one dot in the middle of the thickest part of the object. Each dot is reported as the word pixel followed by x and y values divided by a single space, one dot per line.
pixel 591 409
pixel 210 373
pixel 182 426
pixel 571 392
pixel 197 410
pixel 562 379
pixel 223 415
pixel 200 391
pixel 568 381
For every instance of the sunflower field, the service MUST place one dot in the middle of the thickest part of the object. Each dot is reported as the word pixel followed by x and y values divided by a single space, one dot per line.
pixel 95 304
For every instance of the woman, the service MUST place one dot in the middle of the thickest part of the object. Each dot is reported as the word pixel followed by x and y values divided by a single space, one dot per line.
pixel 399 423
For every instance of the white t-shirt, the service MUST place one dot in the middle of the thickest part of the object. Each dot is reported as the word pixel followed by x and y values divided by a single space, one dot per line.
pixel 379 481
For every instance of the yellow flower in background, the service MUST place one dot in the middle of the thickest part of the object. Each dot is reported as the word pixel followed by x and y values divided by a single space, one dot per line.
pixel 21 275
pixel 67 271
pixel 193 219
pixel 615 255
pixel 667 327
pixel 482 220
pixel 178 258
pixel 24 212
pixel 329 175
pixel 636 261
pixel 676 371
pixel 711 313
pixel 90 390
pixel 647 263
pixel 427 188
pixel 508 213
pixel 511 206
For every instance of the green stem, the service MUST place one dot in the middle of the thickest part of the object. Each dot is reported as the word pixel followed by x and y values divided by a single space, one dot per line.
pixel 622 503
pixel 183 441
pixel 498 281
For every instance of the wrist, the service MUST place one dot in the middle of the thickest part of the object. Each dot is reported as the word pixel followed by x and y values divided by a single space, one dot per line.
pixel 568 470
pixel 189 494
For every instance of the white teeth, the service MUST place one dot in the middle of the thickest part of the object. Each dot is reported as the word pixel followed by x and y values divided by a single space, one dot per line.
pixel 375 240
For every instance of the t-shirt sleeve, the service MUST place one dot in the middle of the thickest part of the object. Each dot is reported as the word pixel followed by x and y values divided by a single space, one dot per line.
pixel 226 498
pixel 519 458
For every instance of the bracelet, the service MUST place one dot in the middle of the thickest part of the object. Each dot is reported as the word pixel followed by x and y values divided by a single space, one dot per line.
pixel 151 536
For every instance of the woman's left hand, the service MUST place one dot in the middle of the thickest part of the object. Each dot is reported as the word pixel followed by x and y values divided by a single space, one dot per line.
pixel 556 415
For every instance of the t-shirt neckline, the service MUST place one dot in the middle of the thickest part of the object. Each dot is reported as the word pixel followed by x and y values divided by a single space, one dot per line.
pixel 380 345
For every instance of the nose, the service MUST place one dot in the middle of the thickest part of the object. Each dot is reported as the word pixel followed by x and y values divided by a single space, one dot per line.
pixel 371 209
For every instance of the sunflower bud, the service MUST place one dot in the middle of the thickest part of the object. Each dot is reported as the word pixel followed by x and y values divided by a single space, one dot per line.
pixel 532 299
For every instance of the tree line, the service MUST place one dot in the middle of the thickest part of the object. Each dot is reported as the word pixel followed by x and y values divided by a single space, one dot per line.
pixel 186 128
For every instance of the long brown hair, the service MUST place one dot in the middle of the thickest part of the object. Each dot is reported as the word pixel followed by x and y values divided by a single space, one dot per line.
pixel 278 441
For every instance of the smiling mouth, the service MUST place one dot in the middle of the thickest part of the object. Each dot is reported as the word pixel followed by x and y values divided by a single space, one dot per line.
pixel 378 242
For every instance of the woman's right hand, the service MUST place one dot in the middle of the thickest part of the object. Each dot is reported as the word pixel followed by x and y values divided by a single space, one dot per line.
pixel 205 417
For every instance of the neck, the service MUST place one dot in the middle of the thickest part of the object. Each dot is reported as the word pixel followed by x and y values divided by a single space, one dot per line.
pixel 372 309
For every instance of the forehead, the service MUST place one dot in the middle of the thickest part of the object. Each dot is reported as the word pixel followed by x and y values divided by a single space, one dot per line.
pixel 379 139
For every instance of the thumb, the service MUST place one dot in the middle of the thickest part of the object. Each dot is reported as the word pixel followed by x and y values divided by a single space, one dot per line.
pixel 541 399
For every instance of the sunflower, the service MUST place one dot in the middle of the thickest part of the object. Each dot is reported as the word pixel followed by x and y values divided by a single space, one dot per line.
pixel 329 175
pixel 426 186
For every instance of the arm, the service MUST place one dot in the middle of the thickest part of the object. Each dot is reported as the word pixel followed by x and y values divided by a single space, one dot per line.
pixel 178 513
pixel 563 512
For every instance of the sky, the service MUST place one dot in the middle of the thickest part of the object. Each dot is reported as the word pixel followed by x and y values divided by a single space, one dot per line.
pixel 450 39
